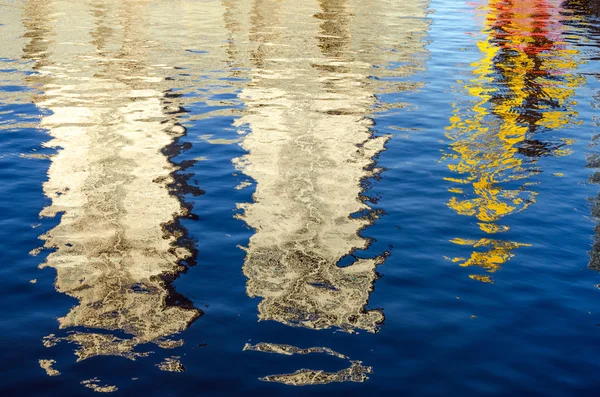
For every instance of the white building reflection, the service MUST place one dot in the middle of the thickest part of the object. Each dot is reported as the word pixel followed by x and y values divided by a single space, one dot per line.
pixel 316 68
pixel 109 82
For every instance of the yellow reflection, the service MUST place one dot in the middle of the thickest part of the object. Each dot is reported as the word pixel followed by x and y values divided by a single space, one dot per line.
pixel 523 85
pixel 309 149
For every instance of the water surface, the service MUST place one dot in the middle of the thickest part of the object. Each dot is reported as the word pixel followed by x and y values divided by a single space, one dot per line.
pixel 332 197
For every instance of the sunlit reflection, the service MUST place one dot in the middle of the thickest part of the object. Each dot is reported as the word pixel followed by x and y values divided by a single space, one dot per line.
pixel 111 112
pixel 355 373
pixel 522 87
pixel 310 148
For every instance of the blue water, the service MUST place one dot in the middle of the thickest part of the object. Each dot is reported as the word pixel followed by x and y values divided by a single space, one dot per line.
pixel 333 197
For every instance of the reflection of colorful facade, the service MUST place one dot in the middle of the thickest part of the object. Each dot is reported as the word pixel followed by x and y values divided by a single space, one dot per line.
pixel 522 85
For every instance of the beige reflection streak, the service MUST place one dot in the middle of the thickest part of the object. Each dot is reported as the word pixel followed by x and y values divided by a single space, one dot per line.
pixel 310 147
pixel 110 117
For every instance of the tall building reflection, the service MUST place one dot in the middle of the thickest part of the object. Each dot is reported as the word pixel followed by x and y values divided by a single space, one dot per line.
pixel 310 148
pixel 523 86
pixel 112 115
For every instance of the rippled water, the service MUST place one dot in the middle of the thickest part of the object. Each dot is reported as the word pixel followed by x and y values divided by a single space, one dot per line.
pixel 220 197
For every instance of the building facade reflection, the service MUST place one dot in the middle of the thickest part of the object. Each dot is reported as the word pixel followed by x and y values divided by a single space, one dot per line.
pixel 315 69
pixel 522 87
pixel 112 112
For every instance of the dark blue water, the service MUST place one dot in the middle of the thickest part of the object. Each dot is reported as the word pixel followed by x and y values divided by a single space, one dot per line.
pixel 331 197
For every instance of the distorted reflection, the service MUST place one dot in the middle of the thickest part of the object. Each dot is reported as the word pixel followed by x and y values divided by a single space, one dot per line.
pixel 112 116
pixel 522 87
pixel 355 373
pixel 586 14
pixel 310 148
pixel 593 161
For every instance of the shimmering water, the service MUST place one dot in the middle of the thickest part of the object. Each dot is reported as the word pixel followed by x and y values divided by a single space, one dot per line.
pixel 328 197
